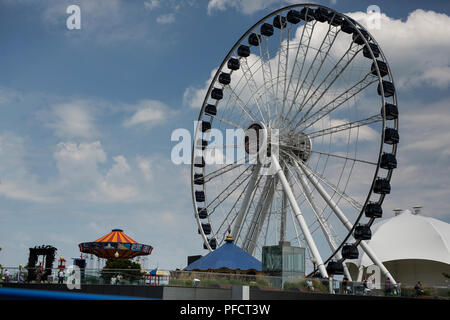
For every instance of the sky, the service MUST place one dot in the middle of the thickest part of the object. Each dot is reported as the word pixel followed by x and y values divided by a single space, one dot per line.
pixel 86 115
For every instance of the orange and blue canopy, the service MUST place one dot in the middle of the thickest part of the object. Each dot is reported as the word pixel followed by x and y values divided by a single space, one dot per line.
pixel 115 242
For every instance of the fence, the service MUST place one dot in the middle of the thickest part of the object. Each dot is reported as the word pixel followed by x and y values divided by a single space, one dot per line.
pixel 224 280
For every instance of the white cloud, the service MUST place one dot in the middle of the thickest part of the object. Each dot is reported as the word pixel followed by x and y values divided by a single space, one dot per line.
pixel 151 5
pixel 9 95
pixel 16 179
pixel 166 18
pixel 149 113
pixel 73 120
pixel 193 96
pixel 245 6
pixel 145 167
pixel 418 49
pixel 78 163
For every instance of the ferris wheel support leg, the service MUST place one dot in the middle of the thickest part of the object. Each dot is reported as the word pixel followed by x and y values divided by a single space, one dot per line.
pixel 360 273
pixel 242 211
pixel 298 214
pixel 283 216
pixel 247 240
pixel 262 216
pixel 323 224
pixel 345 221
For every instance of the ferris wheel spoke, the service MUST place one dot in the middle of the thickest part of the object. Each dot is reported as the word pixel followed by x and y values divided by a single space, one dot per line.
pixel 309 28
pixel 344 220
pixel 225 221
pixel 241 104
pixel 267 75
pixel 353 202
pixel 329 107
pixel 282 69
pixel 298 214
pixel 221 171
pixel 236 183
pixel 346 126
pixel 245 203
pixel 285 82
pixel 227 122
pixel 268 59
pixel 345 157
pixel 253 88
pixel 337 70
pixel 322 52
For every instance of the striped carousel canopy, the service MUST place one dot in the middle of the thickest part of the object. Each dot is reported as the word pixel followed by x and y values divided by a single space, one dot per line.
pixel 115 244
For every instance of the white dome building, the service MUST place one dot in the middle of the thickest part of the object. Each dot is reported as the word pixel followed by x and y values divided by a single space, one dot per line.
pixel 411 246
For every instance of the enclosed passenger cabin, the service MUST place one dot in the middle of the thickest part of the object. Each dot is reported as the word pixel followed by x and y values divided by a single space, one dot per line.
pixel 254 39
pixel 391 136
pixel 347 27
pixel 388 161
pixel 358 39
pixel 198 179
pixel 390 111
pixel 202 213
pixel 293 16
pixel 217 94
pixel 321 14
pixel 375 50
pixel 388 88
pixel 381 66
pixel 335 268
pixel 199 196
pixel 373 210
pixel 212 243
pixel 335 19
pixel 382 186
pixel 205 126
pixel 243 51
pixel 224 78
pixel 350 251
pixel 233 64
pixel 266 30
pixel 279 22
pixel 211 110
pixel 362 232
pixel 307 14
pixel 206 227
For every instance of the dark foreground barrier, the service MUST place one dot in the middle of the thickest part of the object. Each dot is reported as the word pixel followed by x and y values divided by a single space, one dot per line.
pixel 33 294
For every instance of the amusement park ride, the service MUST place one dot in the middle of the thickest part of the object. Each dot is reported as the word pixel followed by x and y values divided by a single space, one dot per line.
pixel 316 89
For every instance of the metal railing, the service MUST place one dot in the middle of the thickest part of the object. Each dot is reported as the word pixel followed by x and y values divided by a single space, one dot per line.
pixel 222 280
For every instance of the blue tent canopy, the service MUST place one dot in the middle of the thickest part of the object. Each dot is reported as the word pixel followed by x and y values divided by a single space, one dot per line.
pixel 227 256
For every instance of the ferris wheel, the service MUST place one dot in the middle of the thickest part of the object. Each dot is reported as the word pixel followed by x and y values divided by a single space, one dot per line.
pixel 306 106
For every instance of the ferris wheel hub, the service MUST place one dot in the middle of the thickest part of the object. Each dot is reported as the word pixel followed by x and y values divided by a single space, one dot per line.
pixel 298 145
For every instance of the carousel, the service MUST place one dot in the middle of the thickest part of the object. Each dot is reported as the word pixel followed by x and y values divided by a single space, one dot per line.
pixel 115 244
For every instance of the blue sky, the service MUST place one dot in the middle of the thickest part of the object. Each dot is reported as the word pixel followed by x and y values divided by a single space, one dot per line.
pixel 86 115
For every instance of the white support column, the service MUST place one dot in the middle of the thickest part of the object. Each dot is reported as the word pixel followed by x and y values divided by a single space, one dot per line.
pixel 345 221
pixel 323 224
pixel 242 211
pixel 298 214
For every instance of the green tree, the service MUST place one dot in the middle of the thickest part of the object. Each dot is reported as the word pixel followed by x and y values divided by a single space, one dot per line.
pixel 129 270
